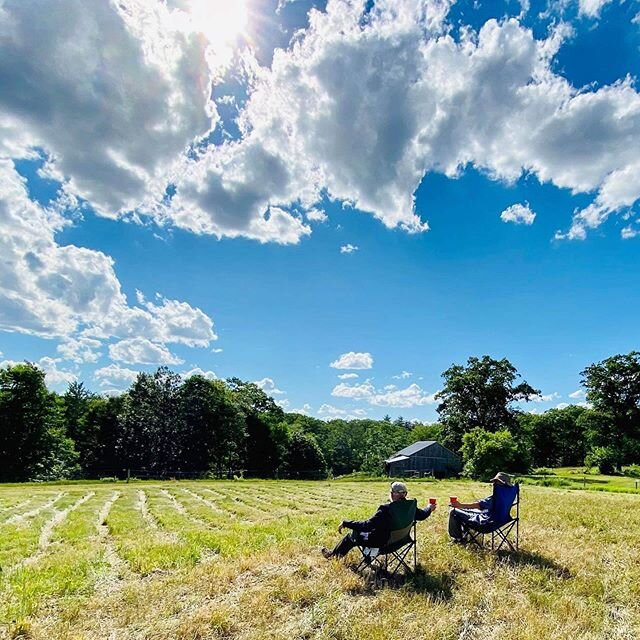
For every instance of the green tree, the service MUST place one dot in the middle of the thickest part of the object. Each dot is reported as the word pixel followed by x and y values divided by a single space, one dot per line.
pixel 484 453
pixel 267 434
pixel 151 425
pixel 558 437
pixel 76 402
pixel 33 442
pixel 215 429
pixel 613 389
pixel 101 435
pixel 304 457
pixel 480 395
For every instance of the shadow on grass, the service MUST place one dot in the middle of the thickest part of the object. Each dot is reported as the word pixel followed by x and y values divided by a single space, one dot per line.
pixel 535 560
pixel 439 587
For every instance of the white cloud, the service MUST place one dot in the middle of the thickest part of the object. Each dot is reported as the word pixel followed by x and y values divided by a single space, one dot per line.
pixel 114 375
pixel 348 376
pixel 283 403
pixel 305 410
pixel 80 350
pixel 353 360
pixel 388 396
pixel 545 397
pixel 114 105
pixel 403 376
pixel 141 351
pixel 269 386
pixel 518 214
pixel 592 8
pixel 330 410
pixel 562 405
pixel 629 232
pixel 316 215
pixel 217 350
pixel 197 371
pixel 349 248
pixel 73 293
pixel 577 395
pixel 53 374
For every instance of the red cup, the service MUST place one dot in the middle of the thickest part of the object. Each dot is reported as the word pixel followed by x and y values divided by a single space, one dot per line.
pixel 453 499
pixel 432 501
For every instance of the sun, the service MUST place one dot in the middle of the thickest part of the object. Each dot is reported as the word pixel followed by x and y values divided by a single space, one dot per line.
pixel 220 21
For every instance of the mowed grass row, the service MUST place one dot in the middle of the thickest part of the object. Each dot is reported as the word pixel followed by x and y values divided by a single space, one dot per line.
pixel 190 560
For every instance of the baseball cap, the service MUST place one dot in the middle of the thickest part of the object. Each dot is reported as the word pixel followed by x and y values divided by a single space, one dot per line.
pixel 398 487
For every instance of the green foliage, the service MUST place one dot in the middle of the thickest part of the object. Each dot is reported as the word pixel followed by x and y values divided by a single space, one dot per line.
pixel 613 388
pixel 604 458
pixel 304 457
pixel 485 453
pixel 558 437
pixel 479 395
pixel 33 442
pixel 632 471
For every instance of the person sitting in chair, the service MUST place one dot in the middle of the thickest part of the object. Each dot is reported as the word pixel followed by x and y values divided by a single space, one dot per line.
pixel 476 514
pixel 375 531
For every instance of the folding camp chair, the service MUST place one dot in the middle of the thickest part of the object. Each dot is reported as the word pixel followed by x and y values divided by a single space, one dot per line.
pixel 395 554
pixel 501 523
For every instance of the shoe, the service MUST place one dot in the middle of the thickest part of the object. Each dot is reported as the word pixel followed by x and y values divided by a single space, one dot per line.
pixel 326 553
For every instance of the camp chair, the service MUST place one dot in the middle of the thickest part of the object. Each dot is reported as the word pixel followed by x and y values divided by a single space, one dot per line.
pixel 501 522
pixel 388 559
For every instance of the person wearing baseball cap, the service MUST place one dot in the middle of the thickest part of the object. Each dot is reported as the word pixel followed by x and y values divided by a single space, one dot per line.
pixel 476 513
pixel 375 531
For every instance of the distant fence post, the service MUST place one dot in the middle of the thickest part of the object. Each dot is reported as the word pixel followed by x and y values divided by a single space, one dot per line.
pixel 128 475
pixel 584 482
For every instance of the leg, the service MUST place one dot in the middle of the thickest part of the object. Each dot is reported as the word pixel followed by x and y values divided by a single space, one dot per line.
pixel 343 547
pixel 455 525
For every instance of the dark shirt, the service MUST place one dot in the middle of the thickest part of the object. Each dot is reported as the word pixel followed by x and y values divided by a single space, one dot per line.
pixel 375 531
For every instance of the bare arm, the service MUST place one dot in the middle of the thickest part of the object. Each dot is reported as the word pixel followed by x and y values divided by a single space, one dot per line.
pixel 466 505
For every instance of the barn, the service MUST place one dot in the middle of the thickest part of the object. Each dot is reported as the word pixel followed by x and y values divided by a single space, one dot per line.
pixel 424 458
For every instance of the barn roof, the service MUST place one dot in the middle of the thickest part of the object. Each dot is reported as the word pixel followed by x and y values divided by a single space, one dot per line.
pixel 413 448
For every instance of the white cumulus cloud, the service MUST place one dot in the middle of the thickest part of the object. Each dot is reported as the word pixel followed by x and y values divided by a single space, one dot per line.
pixel 353 360
pixel 518 214
pixel 141 351
pixel 349 248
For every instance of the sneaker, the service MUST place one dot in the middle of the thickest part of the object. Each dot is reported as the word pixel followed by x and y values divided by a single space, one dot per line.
pixel 326 553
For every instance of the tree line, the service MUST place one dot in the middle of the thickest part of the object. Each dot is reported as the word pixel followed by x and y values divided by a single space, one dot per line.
pixel 165 425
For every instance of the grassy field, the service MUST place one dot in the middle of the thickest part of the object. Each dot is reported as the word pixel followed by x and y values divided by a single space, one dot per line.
pixel 580 478
pixel 196 560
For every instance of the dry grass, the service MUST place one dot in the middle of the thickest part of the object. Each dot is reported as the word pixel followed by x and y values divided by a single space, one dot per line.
pixel 196 560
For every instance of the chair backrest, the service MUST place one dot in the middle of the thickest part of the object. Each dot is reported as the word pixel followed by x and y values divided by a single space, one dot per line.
pixel 504 497
pixel 403 515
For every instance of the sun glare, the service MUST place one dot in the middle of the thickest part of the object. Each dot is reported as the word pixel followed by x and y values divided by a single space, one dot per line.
pixel 221 21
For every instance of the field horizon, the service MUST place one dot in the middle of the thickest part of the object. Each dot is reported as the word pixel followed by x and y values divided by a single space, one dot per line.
pixel 240 559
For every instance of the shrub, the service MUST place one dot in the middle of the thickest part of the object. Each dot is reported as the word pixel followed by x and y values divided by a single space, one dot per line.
pixel 605 458
pixel 633 471
pixel 485 453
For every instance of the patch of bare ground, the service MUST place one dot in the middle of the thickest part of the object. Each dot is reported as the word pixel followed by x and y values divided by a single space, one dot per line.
pixel 21 517
pixel 143 507
pixel 117 569
pixel 182 510
pixel 621 607
pixel 212 505
pixel 44 541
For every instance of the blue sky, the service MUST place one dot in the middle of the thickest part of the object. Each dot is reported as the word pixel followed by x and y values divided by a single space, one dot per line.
pixel 387 187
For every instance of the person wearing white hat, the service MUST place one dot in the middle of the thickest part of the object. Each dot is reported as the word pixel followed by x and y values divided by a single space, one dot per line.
pixel 373 532
pixel 477 513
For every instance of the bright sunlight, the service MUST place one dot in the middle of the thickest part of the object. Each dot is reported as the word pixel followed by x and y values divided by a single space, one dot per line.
pixel 221 21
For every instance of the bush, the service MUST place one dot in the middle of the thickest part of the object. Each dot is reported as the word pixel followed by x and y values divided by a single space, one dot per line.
pixel 605 458
pixel 633 471
pixel 485 453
